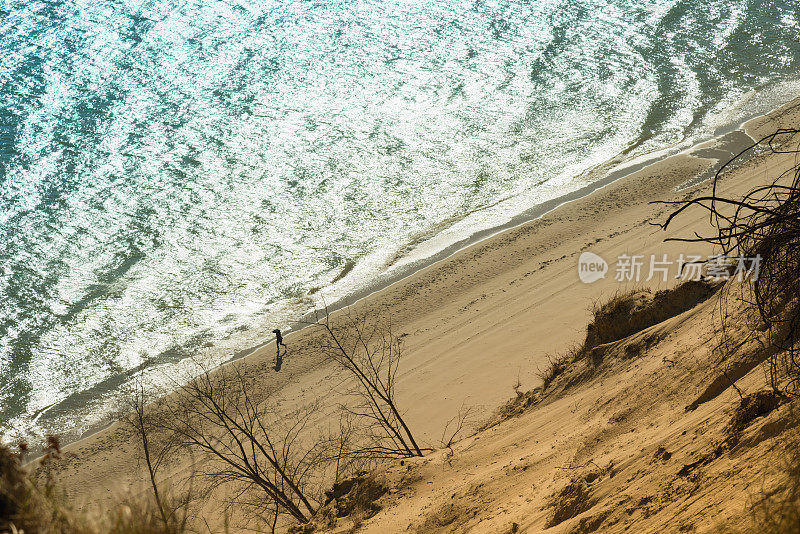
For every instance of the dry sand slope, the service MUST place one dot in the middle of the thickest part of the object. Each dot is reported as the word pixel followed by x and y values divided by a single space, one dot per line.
pixel 614 452
pixel 488 316
pixel 608 449
pixel 614 447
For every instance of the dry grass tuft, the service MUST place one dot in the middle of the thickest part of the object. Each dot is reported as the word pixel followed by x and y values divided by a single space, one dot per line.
pixel 357 496
pixel 753 406
pixel 574 499
pixel 555 367
pixel 13 488
pixel 622 316
pixel 628 313
pixel 27 504
pixel 515 406
pixel 31 503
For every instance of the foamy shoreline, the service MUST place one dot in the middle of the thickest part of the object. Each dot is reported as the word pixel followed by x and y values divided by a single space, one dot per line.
pixel 476 322
pixel 389 279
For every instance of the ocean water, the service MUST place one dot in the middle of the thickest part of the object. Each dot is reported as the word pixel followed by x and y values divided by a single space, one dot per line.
pixel 178 178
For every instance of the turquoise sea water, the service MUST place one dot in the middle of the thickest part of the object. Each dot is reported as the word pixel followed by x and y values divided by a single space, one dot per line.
pixel 176 178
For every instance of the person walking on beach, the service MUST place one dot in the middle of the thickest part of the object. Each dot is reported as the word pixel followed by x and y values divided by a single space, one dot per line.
pixel 278 337
pixel 278 343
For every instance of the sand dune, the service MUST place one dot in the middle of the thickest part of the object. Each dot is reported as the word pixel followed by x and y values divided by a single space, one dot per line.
pixel 487 317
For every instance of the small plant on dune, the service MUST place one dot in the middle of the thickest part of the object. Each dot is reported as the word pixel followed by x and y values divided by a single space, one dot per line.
pixel 753 406
pixel 556 365
pixel 454 429
pixel 359 498
pixel 513 407
pixel 456 426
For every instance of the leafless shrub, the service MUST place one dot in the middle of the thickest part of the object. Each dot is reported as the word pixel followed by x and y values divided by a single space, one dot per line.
pixel 265 454
pixel 144 423
pixel 367 349
pixel 763 224
pixel 455 427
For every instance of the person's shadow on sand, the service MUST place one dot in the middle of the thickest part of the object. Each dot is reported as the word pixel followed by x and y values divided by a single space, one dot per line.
pixel 279 359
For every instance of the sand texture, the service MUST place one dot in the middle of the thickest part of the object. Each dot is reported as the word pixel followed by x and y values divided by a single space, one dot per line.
pixel 478 322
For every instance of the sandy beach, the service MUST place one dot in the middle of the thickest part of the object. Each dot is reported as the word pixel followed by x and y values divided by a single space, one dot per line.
pixel 478 322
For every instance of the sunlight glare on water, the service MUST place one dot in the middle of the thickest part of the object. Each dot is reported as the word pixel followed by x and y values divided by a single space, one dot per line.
pixel 175 178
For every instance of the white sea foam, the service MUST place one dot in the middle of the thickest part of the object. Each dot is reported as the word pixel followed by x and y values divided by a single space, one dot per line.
pixel 176 178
